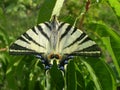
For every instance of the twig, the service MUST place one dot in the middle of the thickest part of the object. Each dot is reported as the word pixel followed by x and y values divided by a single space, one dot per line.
pixel 3 49
pixel 83 14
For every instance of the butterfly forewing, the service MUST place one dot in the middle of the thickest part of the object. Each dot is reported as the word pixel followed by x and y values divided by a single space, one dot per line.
pixel 34 41
pixel 75 42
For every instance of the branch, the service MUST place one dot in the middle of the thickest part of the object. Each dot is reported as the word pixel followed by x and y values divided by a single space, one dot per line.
pixel 83 14
pixel 3 49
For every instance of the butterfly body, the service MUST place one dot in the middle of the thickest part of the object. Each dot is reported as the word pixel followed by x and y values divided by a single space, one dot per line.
pixel 55 40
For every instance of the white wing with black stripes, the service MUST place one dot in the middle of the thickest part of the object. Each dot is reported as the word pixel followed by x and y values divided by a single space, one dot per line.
pixel 75 42
pixel 34 41
pixel 55 40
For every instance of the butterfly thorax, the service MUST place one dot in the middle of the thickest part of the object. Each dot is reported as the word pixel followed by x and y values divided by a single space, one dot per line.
pixel 54 36
pixel 54 40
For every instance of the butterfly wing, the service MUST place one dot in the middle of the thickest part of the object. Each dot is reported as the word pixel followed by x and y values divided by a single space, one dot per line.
pixel 75 42
pixel 33 41
pixel 54 40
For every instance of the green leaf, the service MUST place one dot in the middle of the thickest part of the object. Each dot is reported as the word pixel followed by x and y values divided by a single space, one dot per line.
pixel 55 77
pixel 4 39
pixel 12 83
pixel 112 45
pixel 106 41
pixel 115 4
pixel 101 74
pixel 80 79
pixel 49 8
pixel 93 76
pixel 45 11
pixel 71 81
pixel 57 7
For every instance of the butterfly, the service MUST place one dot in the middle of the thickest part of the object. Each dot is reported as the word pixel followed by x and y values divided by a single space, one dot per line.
pixel 54 40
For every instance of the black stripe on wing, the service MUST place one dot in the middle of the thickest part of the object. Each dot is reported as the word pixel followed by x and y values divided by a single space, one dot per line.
pixel 17 49
pixel 85 40
pixel 66 32
pixel 34 30
pixel 93 50
pixel 61 25
pixel 48 25
pixel 90 48
pixel 74 30
pixel 31 39
pixel 22 39
pixel 76 40
pixel 42 32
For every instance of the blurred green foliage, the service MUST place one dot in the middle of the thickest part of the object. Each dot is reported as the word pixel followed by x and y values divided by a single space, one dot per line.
pixel 101 23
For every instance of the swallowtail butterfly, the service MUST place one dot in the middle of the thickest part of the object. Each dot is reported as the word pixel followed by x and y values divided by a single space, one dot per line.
pixel 55 40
